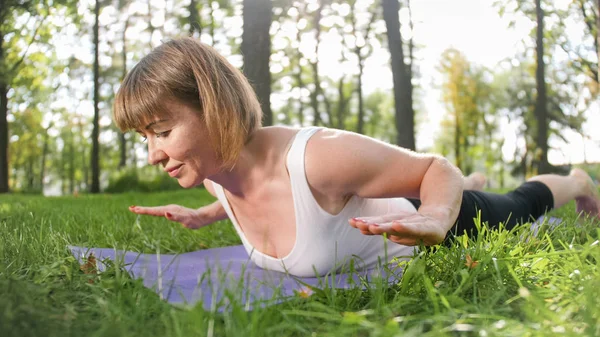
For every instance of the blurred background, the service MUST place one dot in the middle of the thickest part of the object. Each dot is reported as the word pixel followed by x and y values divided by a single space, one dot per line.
pixel 509 88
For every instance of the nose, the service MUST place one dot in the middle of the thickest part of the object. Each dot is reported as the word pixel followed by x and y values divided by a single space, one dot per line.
pixel 155 154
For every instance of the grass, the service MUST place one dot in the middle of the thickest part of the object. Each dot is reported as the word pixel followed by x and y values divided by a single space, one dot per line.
pixel 521 286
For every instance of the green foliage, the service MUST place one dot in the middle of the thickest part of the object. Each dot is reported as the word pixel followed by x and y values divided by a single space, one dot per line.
pixel 147 179
pixel 570 75
pixel 379 116
pixel 471 119
pixel 40 82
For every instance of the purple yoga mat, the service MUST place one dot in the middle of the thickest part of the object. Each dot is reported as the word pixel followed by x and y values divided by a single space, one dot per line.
pixel 221 276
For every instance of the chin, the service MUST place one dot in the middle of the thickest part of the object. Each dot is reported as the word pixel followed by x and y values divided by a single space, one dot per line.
pixel 188 183
pixel 185 184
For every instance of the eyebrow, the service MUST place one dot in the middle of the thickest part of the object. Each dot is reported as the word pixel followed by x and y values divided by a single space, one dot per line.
pixel 153 123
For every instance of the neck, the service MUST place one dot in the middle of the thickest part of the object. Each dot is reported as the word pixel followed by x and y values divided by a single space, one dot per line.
pixel 237 181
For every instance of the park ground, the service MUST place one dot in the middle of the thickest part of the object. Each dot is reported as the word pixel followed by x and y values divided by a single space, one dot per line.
pixel 499 283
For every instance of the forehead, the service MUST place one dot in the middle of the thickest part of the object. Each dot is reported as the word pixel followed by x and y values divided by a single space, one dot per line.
pixel 170 111
pixel 149 122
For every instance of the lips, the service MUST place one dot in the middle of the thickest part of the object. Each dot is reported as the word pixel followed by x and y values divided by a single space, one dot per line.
pixel 173 171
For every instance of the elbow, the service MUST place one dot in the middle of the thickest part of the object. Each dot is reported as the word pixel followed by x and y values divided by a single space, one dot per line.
pixel 449 169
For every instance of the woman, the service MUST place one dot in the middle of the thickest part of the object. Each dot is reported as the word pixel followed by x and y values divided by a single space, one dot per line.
pixel 306 200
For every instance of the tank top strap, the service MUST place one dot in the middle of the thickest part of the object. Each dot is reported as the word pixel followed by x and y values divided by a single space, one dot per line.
pixel 304 201
pixel 225 203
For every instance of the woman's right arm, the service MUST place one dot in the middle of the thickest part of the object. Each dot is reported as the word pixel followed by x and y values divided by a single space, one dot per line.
pixel 188 217
pixel 212 213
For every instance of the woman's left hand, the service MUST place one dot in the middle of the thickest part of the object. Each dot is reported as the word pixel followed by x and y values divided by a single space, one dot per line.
pixel 408 228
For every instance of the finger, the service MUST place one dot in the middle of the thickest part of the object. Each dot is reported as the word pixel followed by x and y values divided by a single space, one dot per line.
pixel 176 217
pixel 407 228
pixel 184 219
pixel 384 218
pixel 364 227
pixel 392 231
pixel 155 211
pixel 422 232
pixel 406 241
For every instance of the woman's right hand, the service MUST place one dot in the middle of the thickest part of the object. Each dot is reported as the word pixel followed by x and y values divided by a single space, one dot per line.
pixel 189 218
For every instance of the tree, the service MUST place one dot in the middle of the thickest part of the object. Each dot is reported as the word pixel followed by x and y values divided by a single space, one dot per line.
pixel 405 119
pixel 23 24
pixel 3 113
pixel 9 9
pixel 541 103
pixel 586 13
pixel 546 41
pixel 467 98
pixel 379 116
pixel 195 21
pixel 256 50
pixel 95 156
pixel 361 37
pixel 318 92
pixel 122 136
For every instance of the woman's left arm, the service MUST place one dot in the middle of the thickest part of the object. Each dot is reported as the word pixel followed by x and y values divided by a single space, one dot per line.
pixel 341 164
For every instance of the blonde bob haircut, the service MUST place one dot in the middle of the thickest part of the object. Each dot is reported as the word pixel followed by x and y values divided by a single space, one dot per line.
pixel 194 74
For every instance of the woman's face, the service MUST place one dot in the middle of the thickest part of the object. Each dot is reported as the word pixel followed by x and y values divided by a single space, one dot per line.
pixel 180 144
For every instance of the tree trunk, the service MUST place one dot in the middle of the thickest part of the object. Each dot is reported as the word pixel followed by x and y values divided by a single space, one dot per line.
pixel 541 105
pixel 342 100
pixel 44 156
pixel 3 120
pixel 402 83
pixel 361 108
pixel 195 22
pixel 122 139
pixel 72 164
pixel 298 73
pixel 360 125
pixel 4 188
pixel 598 43
pixel 95 160
pixel 256 50
pixel 151 27
pixel 358 50
pixel 30 175
pixel 122 150
pixel 212 23
pixel 457 142
pixel 314 96
pixel 411 44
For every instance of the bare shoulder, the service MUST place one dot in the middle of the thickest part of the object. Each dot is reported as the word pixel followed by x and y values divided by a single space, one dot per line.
pixel 341 163
pixel 331 152
pixel 273 134
pixel 272 140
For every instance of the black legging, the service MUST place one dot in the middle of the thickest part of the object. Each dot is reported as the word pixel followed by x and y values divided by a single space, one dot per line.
pixel 526 203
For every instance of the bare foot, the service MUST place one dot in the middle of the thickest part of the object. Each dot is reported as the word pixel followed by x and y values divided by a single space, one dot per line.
pixel 590 203
pixel 475 181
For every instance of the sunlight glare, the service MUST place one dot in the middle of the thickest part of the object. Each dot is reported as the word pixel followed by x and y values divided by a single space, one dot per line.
pixel 293 12
pixel 302 23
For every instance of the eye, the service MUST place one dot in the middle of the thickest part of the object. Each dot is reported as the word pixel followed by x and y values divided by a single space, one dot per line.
pixel 142 135
pixel 162 134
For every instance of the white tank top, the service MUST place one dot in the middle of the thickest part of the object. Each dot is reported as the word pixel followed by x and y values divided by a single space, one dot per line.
pixel 325 242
